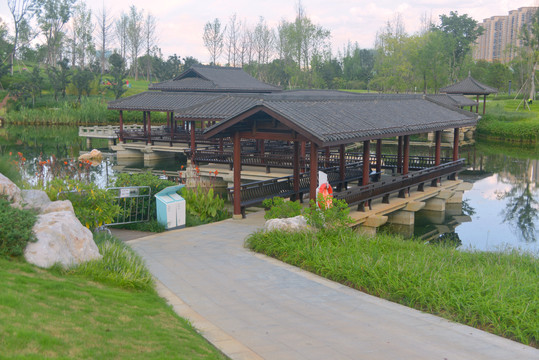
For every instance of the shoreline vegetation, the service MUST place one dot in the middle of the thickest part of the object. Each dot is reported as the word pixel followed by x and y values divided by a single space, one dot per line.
pixel 491 291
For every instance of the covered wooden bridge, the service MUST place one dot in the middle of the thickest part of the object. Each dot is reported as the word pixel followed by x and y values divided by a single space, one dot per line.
pixel 331 121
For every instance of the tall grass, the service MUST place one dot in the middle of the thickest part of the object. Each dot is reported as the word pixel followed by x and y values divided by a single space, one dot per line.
pixel 120 266
pixel 496 292
pixel 502 122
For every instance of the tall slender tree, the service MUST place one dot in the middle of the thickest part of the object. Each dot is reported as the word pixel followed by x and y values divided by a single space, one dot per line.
pixel 22 12
pixel 104 28
pixel 135 37
pixel 213 39
pixel 150 26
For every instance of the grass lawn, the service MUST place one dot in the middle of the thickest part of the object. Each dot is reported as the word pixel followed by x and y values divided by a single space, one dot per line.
pixel 44 314
pixel 503 122
pixel 496 292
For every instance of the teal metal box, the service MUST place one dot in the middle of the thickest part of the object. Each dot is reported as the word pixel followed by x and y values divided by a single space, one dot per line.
pixel 170 208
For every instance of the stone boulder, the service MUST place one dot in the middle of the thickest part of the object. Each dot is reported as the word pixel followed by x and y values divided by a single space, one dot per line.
pixel 12 191
pixel 60 205
pixel 61 238
pixel 296 223
pixel 35 199
pixel 92 155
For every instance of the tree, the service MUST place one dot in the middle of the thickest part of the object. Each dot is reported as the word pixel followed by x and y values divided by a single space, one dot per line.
pixel 59 78
pixel 104 28
pixel 118 72
pixel 82 80
pixel 52 15
pixel 83 28
pixel 263 41
pixel 121 34
pixel 213 39
pixel 530 41
pixel 233 40
pixel 166 70
pixel 150 40
pixel 135 36
pixel 188 62
pixel 22 12
pixel 462 32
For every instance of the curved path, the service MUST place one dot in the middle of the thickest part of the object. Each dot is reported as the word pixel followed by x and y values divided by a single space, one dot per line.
pixel 254 307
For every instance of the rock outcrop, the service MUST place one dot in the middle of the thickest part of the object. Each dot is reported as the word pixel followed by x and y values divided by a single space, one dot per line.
pixel 61 238
pixel 296 223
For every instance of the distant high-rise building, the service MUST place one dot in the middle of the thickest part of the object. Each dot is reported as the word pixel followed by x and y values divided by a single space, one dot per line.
pixel 500 40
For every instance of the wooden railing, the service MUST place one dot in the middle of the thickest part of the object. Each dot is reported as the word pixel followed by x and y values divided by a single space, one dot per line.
pixel 363 195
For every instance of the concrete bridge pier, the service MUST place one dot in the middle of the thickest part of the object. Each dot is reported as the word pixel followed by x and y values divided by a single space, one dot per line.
pixel 406 216
pixel 370 226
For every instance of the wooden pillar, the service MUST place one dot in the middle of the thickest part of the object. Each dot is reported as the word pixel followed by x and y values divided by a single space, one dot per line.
pixel 484 103
pixel 149 128
pixel 221 145
pixel 406 161
pixel 302 154
pixel 121 125
pixel 168 119
pixel 456 145
pixel 314 171
pixel 193 140
pixel 202 125
pixel 296 170
pixel 477 105
pixel 342 163
pixel 379 155
pixel 438 149
pixel 399 155
pixel 366 161
pixel 327 157
pixel 237 174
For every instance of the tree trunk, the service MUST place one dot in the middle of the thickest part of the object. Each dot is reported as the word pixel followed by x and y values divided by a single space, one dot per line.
pixel 532 87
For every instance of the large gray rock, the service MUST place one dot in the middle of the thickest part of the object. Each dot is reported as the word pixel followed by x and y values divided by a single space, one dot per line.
pixel 296 223
pixel 59 205
pixel 61 238
pixel 35 199
pixel 12 191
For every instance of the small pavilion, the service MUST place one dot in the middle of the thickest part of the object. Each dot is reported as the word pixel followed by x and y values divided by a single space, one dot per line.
pixel 470 86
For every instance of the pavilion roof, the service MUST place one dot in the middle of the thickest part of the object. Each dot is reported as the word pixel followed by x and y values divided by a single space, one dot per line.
pixel 340 119
pixel 203 78
pixel 452 100
pixel 161 101
pixel 469 86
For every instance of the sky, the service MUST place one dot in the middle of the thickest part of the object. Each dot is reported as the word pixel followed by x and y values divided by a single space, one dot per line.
pixel 181 22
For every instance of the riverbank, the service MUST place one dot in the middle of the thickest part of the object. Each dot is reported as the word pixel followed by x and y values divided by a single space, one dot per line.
pixel 495 292
pixel 503 123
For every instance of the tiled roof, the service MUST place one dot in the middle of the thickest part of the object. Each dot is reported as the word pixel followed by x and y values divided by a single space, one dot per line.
pixel 452 100
pixel 469 86
pixel 161 101
pixel 361 117
pixel 214 78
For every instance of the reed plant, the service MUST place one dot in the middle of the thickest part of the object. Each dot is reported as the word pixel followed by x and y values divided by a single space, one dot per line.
pixel 493 291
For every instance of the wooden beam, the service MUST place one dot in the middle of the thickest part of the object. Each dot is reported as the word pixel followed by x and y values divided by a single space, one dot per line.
pixel 283 136
pixel 237 173
pixel 366 162
pixel 296 169
pixel 399 155
pixel 438 148
pixel 406 161
pixel 314 171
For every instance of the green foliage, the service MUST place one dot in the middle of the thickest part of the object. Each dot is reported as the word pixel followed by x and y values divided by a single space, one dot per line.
pixel 324 217
pixel 9 169
pixel 148 226
pixel 509 125
pixel 202 203
pixel 59 78
pixel 82 80
pixel 472 288
pixel 145 179
pixel 120 266
pixel 278 208
pixel 93 206
pixel 15 229
pixel 119 73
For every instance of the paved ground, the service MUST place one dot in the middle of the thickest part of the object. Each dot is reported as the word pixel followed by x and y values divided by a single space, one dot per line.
pixel 254 307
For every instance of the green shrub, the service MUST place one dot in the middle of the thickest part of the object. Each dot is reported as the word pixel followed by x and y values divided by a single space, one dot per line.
pixel 204 204
pixel 120 266
pixel 15 229
pixel 329 217
pixel 9 169
pixel 93 206
pixel 145 179
pixel 277 208
pixel 149 226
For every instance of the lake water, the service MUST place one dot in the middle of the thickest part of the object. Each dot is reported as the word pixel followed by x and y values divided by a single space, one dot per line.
pixel 501 209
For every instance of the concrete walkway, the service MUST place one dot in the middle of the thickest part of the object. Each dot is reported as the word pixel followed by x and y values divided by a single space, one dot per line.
pixel 254 307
